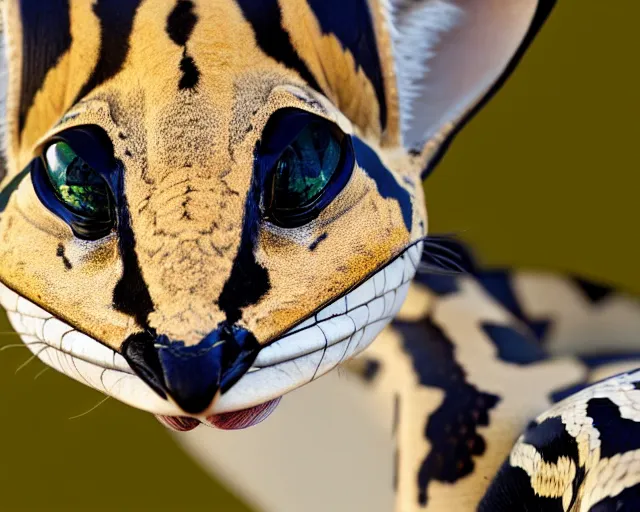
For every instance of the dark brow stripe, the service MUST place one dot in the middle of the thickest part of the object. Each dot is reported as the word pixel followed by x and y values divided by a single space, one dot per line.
pixel 116 23
pixel 46 36
pixel 350 22
pixel 266 19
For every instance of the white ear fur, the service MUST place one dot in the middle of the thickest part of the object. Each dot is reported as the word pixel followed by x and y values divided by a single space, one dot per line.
pixel 448 54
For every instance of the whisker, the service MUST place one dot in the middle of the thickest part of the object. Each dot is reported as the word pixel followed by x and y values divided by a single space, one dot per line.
pixel 16 345
pixel 90 410
pixel 23 365
pixel 45 369
pixel 428 244
pixel 446 262
pixel 445 253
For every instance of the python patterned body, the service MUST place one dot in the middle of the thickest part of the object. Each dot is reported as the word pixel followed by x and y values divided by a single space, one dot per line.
pixel 207 204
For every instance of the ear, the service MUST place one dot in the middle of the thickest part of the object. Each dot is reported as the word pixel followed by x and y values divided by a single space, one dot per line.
pixel 409 73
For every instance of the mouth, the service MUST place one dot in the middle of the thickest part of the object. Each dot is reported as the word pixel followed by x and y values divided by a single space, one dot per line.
pixel 334 334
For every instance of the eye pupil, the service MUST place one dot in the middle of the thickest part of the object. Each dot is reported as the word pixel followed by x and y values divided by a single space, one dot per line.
pixel 306 167
pixel 76 184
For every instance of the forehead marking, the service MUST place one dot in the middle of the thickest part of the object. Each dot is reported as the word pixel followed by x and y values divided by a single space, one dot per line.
pixel 266 19
pixel 116 23
pixel 353 27
pixel 46 33
pixel 180 25
pixel 388 186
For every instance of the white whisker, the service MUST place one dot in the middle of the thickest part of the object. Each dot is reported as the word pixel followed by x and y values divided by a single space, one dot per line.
pixel 16 345
pixel 30 360
pixel 90 410
pixel 44 370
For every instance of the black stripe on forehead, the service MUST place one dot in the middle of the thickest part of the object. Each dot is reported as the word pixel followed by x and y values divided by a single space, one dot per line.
pixel 180 25
pixel 46 36
pixel 350 21
pixel 116 22
pixel 266 19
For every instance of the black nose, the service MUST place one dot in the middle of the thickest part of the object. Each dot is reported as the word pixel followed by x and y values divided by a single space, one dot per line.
pixel 192 375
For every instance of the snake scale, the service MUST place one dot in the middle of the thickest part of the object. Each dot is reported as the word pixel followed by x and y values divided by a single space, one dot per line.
pixel 207 204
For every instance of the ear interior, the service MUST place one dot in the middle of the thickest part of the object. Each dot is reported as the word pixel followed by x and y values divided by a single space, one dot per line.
pixel 465 46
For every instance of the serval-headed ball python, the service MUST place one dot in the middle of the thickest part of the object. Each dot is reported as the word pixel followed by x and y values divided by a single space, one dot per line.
pixel 207 204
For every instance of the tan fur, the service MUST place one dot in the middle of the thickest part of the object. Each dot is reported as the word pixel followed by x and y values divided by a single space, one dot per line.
pixel 335 69
pixel 188 157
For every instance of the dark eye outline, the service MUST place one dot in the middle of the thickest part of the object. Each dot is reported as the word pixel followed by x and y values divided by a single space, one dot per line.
pixel 94 147
pixel 282 129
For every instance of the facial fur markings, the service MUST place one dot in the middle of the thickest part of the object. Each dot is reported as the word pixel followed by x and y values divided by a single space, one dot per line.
pixel 180 25
pixel 354 30
pixel 52 26
pixel 60 253
pixel 388 186
pixel 248 281
pixel 12 186
pixel 131 294
pixel 116 24
pixel 266 20
pixel 314 245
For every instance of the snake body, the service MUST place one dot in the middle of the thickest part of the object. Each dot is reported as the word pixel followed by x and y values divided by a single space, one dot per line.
pixel 205 205
pixel 501 356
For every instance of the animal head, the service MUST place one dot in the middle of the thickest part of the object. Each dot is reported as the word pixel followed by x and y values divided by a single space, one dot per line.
pixel 210 203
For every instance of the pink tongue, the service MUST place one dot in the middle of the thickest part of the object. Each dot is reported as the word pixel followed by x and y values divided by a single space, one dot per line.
pixel 243 419
pixel 227 421
pixel 178 423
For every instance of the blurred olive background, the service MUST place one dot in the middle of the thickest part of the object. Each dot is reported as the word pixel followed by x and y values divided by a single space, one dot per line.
pixel 545 176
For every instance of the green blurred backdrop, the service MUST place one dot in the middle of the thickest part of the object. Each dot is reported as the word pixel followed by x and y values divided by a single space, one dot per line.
pixel 545 176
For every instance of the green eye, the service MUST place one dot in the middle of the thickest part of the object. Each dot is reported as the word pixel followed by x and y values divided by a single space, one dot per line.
pixel 306 167
pixel 79 187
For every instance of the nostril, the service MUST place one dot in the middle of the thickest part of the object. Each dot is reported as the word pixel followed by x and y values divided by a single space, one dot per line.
pixel 193 375
pixel 140 352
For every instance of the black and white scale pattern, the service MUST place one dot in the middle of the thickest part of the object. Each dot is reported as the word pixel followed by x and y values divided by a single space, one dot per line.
pixel 583 454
